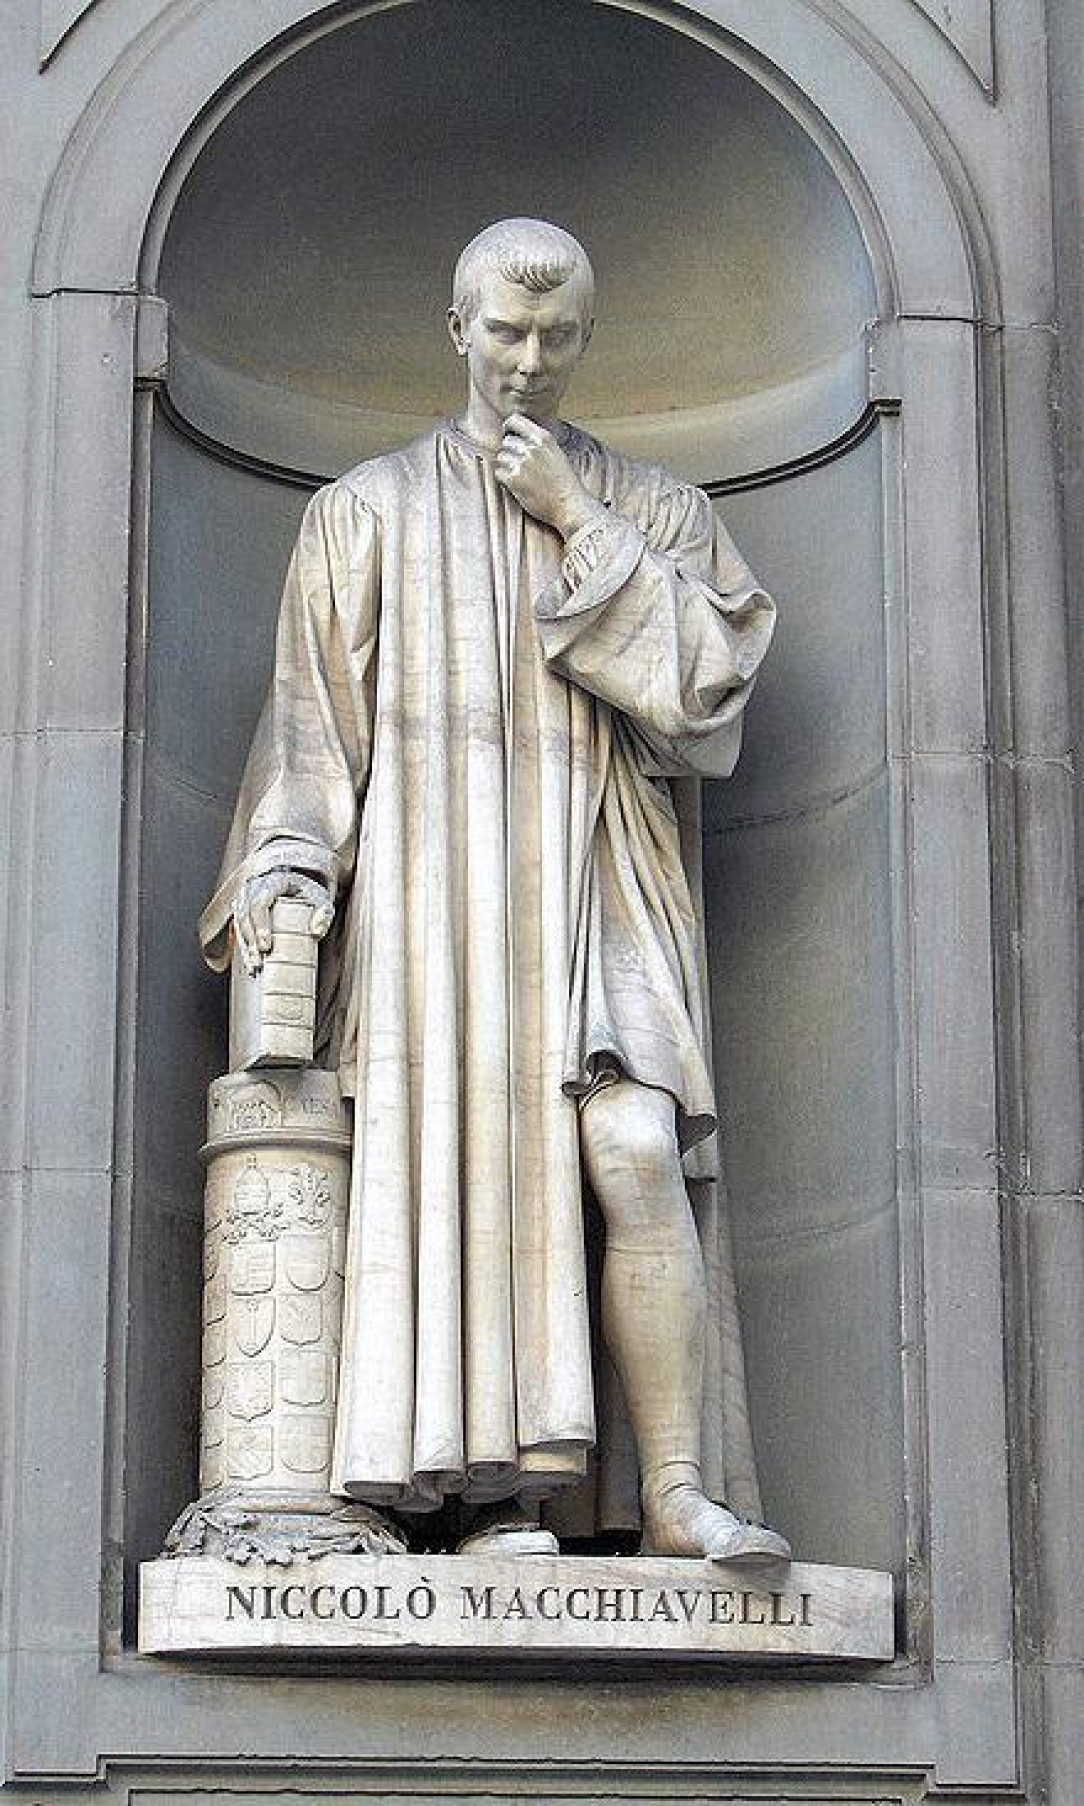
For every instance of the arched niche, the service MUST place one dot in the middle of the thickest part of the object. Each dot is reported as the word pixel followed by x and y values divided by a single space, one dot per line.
pixel 305 266
pixel 306 259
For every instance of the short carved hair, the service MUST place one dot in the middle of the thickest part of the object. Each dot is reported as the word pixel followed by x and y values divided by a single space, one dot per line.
pixel 528 252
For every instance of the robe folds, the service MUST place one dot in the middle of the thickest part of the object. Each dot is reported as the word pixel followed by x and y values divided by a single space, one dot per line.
pixel 471 735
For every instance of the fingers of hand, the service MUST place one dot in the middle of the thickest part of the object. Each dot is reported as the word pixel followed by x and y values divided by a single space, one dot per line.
pixel 528 433
pixel 261 918
pixel 514 436
pixel 253 919
pixel 510 468
pixel 523 460
pixel 525 428
pixel 310 890
pixel 245 932
pixel 514 451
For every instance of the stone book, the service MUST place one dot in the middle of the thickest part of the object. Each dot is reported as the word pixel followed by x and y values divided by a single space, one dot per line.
pixel 273 1011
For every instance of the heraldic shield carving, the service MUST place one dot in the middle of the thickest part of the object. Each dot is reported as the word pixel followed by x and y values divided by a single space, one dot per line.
pixel 275 1230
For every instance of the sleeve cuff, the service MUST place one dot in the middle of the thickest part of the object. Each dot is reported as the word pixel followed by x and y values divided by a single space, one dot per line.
pixel 615 550
pixel 583 551
pixel 295 856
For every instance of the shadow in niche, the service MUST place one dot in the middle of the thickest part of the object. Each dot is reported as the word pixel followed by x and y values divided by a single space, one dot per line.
pixel 306 268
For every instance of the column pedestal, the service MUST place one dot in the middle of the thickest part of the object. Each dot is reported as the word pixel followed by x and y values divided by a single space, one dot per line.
pixel 277 1191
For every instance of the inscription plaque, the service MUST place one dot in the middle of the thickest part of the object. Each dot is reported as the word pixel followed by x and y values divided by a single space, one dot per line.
pixel 612 1607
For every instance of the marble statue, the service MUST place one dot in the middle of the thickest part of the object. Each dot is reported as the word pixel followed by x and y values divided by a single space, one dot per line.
pixel 506 656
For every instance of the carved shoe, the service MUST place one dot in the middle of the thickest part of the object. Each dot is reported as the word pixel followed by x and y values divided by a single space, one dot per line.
pixel 681 1520
pixel 508 1530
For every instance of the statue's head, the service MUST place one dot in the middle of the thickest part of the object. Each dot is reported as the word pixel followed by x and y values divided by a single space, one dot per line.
pixel 522 311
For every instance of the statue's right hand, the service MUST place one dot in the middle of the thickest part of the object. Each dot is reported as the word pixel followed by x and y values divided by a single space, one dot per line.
pixel 255 901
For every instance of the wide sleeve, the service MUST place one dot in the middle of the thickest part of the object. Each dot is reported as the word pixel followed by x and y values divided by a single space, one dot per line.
pixel 309 761
pixel 665 622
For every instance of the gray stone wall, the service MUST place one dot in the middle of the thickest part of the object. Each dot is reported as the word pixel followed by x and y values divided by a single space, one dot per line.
pixel 1057 1260
pixel 956 142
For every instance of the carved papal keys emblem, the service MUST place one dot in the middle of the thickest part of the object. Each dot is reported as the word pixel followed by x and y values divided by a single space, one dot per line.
pixel 253 1209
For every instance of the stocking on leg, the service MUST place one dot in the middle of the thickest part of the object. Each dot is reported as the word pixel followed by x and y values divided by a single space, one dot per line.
pixel 653 1311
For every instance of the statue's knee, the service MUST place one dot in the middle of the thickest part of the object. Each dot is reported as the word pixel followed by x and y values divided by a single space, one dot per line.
pixel 630 1141
pixel 651 1149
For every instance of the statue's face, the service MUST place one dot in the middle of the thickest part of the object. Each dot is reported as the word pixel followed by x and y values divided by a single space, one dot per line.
pixel 521 348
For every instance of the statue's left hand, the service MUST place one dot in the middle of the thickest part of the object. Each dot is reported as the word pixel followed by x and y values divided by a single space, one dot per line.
pixel 532 467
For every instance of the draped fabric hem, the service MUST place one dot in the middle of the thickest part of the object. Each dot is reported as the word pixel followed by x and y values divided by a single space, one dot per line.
pixel 539 1474
pixel 604 1064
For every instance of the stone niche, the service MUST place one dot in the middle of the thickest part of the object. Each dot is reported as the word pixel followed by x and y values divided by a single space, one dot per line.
pixel 305 267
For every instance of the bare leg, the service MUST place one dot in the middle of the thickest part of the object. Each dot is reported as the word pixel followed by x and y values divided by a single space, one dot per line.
pixel 653 1311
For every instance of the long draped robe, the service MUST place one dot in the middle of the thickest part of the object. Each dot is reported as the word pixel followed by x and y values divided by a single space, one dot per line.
pixel 470 735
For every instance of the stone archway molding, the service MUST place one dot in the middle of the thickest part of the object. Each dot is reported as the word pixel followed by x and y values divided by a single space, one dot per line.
pixel 150 117
pixel 953 1713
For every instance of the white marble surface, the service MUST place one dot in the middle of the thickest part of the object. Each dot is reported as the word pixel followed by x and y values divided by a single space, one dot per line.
pixel 273 1009
pixel 471 772
pixel 275 1226
pixel 607 1606
pixel 140 80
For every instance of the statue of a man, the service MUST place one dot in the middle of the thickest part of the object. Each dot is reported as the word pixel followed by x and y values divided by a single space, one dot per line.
pixel 496 649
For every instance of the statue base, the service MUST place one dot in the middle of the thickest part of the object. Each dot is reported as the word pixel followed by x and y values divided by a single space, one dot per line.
pixel 244 1524
pixel 412 1607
